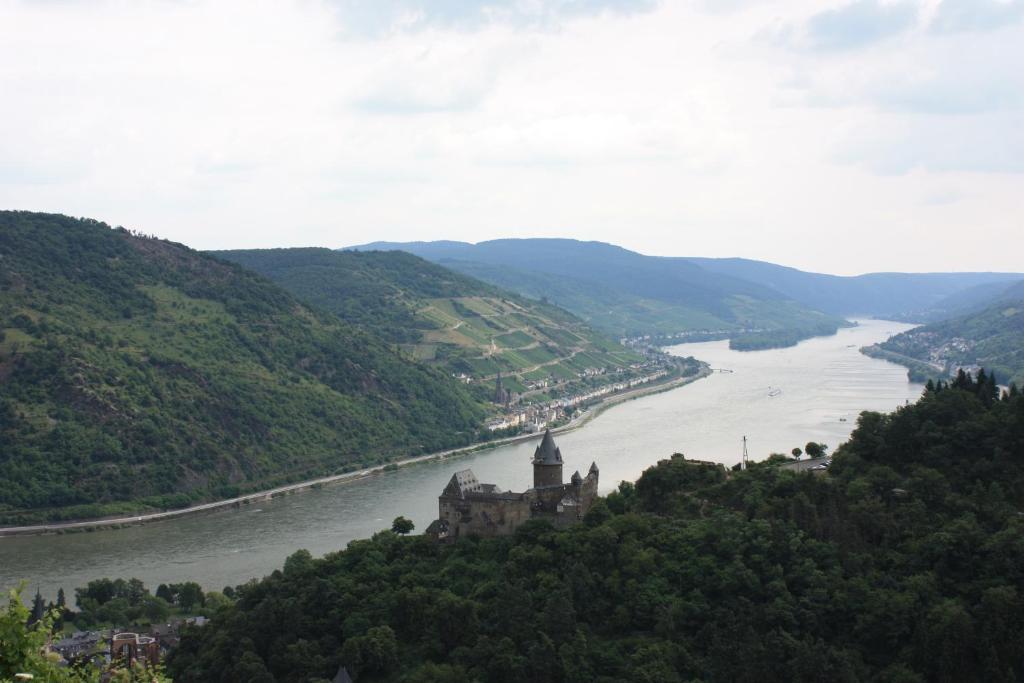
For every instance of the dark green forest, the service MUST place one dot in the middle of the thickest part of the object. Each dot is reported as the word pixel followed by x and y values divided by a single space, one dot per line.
pixel 904 562
pixel 136 373
pixel 378 291
pixel 779 339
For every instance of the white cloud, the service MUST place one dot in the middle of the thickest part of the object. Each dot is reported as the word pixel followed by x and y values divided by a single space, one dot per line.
pixel 976 15
pixel 672 128
pixel 860 23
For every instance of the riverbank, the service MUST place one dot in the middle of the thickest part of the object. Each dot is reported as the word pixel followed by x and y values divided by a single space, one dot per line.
pixel 917 369
pixel 131 520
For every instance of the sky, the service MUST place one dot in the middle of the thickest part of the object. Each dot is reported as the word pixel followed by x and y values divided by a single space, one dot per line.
pixel 841 137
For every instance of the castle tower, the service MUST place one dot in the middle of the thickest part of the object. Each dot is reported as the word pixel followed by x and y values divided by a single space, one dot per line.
pixel 547 463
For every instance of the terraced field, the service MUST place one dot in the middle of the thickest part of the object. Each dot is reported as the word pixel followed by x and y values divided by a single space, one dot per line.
pixel 437 316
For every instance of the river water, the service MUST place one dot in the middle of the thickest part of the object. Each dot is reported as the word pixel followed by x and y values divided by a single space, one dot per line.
pixel 825 382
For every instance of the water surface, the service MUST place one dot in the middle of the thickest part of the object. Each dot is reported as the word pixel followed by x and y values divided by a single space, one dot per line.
pixel 824 382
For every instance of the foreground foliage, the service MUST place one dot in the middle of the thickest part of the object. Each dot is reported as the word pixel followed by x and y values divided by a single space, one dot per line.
pixel 904 563
pixel 24 653
pixel 136 373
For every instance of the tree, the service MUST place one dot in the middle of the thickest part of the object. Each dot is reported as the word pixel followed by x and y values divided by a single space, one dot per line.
pixel 38 608
pixel 154 609
pixel 215 602
pixel 401 525
pixel 375 652
pixel 99 590
pixel 298 562
pixel 815 450
pixel 22 645
pixel 135 590
pixel 190 595
pixel 164 592
pixel 797 452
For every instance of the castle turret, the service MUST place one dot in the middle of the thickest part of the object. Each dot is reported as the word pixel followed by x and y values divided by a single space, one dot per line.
pixel 547 463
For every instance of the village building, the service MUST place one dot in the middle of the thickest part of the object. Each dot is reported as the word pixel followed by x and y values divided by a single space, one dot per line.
pixel 129 648
pixel 468 507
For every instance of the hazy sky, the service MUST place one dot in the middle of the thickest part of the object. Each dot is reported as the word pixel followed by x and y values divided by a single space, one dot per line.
pixel 835 136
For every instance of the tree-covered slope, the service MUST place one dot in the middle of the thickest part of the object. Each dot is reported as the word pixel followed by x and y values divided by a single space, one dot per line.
pixel 440 316
pixel 973 300
pixel 378 291
pixel 137 372
pixel 992 338
pixel 903 563
pixel 621 292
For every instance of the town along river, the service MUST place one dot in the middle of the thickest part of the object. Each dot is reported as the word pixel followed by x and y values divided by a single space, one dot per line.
pixel 777 398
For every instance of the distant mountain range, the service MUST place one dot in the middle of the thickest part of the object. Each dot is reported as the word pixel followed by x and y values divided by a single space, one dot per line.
pixel 882 295
pixel 138 374
pixel 625 293
pixel 973 300
pixel 468 327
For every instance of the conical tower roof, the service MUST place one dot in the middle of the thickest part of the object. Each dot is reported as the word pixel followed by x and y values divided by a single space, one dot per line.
pixel 547 452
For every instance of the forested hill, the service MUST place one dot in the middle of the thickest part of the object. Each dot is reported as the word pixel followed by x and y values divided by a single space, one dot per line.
pixel 993 338
pixel 379 291
pixel 137 373
pixel 904 561
pixel 442 317
pixel 973 300
pixel 621 292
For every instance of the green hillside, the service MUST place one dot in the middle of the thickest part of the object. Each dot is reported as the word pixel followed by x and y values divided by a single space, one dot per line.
pixel 971 300
pixel 137 373
pixel 903 561
pixel 441 317
pixel 623 293
pixel 992 338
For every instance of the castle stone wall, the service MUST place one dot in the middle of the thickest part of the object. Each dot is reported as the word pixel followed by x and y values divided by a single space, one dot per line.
pixel 468 508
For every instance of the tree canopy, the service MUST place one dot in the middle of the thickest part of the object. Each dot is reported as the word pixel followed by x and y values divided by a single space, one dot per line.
pixel 139 374
pixel 904 562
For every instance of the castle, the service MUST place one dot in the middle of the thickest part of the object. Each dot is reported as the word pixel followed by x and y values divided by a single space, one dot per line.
pixel 467 507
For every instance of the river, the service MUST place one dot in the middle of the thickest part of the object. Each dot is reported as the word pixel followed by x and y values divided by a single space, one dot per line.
pixel 825 382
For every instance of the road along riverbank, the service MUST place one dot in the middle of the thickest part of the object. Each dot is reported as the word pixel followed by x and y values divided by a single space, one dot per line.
pixel 826 382
pixel 130 520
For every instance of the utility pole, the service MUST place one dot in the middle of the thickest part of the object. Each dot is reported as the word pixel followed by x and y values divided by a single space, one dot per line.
pixel 744 466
